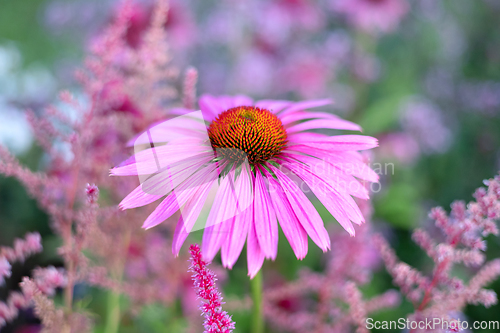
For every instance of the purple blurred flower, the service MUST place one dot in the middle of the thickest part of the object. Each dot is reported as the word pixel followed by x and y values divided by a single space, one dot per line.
pixel 424 121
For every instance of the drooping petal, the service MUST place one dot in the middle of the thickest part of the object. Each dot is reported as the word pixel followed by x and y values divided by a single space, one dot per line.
pixel 338 175
pixel 213 237
pixel 152 160
pixel 344 143
pixel 194 205
pixel 238 228
pixel 163 211
pixel 224 209
pixel 255 256
pixel 178 197
pixel 176 174
pixel 304 210
pixel 180 235
pixel 293 230
pixel 237 233
pixel 339 204
pixel 138 198
pixel 189 215
pixel 345 161
pixel 266 225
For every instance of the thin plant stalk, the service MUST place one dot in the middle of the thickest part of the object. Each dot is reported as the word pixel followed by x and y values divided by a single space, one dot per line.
pixel 257 313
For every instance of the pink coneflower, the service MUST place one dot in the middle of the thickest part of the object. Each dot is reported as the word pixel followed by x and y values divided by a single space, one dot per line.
pixel 372 15
pixel 247 170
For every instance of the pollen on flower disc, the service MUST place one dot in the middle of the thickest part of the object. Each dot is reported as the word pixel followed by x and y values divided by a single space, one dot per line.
pixel 247 132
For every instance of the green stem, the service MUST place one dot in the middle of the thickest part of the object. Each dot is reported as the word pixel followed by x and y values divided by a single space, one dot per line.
pixel 113 317
pixel 257 314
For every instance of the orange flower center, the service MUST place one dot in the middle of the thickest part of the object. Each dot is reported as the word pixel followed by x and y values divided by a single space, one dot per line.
pixel 247 132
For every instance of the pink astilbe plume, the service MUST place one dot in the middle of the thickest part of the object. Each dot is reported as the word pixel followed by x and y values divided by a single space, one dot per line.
pixel 125 89
pixel 216 320
pixel 441 294
pixel 45 280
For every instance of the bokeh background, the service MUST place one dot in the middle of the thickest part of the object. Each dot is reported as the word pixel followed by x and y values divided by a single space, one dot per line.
pixel 425 81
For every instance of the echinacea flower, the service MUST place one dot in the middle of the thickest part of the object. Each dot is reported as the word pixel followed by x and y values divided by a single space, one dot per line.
pixel 372 15
pixel 241 166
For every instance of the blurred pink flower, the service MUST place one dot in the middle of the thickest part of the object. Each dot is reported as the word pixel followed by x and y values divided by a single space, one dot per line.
pixel 179 24
pixel 253 168
pixel 307 73
pixel 372 15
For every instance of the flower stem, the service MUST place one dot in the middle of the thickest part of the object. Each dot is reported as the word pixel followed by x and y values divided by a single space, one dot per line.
pixel 257 314
pixel 113 313
pixel 113 317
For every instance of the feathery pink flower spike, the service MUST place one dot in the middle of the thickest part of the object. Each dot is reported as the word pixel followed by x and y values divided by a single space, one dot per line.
pixel 251 164
pixel 217 321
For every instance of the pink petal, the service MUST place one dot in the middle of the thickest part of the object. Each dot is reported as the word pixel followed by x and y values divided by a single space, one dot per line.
pixel 300 106
pixel 177 174
pixel 344 161
pixel 339 204
pixel 229 102
pixel 213 237
pixel 213 106
pixel 255 256
pixel 178 197
pixel 238 229
pixel 266 225
pixel 225 207
pixel 333 174
pixel 180 235
pixel 163 211
pixel 303 115
pixel 138 198
pixel 344 143
pixel 338 124
pixel 293 230
pixel 274 106
pixel 298 138
pixel 209 107
pixel 189 216
pixel 304 210
pixel 194 205
pixel 188 126
pixel 152 160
